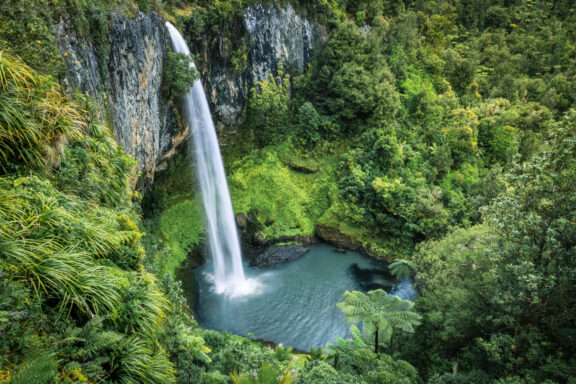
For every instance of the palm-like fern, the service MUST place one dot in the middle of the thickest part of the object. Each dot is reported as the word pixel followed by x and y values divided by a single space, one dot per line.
pixel 402 268
pixel 267 374
pixel 39 370
pixel 64 232
pixel 379 313
pixel 52 240
pixel 61 272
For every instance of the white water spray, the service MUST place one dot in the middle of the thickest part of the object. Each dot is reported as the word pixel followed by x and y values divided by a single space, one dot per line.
pixel 222 235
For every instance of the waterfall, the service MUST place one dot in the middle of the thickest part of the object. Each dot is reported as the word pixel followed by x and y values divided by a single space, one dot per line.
pixel 224 245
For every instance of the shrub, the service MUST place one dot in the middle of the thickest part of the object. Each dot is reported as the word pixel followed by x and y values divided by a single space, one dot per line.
pixel 179 74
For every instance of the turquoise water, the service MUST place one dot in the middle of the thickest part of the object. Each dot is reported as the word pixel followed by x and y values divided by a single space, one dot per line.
pixel 294 303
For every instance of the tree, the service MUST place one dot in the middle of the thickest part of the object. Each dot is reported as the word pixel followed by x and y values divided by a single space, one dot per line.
pixel 179 74
pixel 379 313
pixel 309 122
pixel 268 108
pixel 401 268
pixel 512 278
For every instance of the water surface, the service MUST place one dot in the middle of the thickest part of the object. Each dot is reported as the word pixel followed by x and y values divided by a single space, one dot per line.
pixel 295 303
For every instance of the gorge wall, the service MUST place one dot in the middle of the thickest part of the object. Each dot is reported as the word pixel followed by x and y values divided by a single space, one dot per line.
pixel 266 36
pixel 127 82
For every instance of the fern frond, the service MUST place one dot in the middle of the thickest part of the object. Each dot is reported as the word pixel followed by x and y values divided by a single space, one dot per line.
pixel 401 268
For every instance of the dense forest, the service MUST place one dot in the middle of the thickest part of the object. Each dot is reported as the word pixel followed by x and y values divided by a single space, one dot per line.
pixel 438 135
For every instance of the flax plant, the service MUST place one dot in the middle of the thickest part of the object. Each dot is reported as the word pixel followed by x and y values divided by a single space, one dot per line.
pixel 36 117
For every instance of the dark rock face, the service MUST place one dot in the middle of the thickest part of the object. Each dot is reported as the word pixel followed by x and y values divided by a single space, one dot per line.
pixel 271 36
pixel 278 254
pixel 128 90
pixel 143 122
pixel 338 239
pixel 345 242
pixel 241 220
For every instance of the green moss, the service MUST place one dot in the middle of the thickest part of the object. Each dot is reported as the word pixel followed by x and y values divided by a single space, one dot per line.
pixel 285 202
pixel 181 226
pixel 174 220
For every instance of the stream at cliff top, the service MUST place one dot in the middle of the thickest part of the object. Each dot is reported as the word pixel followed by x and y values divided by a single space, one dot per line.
pixel 295 304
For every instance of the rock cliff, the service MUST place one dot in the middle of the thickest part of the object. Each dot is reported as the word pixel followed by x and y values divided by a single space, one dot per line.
pixel 127 88
pixel 269 36
pixel 126 82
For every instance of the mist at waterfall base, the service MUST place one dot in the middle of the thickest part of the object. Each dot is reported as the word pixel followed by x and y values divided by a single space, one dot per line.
pixel 223 242
pixel 295 304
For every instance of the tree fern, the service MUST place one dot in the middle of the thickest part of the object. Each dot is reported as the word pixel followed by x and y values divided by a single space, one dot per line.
pixel 401 268
pixel 40 370
pixel 379 313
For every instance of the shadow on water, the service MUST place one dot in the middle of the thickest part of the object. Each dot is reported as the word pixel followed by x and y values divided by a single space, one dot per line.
pixel 369 279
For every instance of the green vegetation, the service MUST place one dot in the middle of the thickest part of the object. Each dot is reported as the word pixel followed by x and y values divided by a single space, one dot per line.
pixel 417 113
pixel 504 308
pixel 284 202
pixel 440 134
pixel 179 74
pixel 27 29
pixel 402 268
pixel 182 225
pixel 380 314
pixel 73 287
pixel 445 126
pixel 173 219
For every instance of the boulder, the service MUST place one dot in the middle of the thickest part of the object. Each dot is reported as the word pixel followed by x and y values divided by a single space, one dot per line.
pixel 278 254
pixel 241 220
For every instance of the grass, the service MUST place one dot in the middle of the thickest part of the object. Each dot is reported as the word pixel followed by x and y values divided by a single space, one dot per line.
pixel 181 225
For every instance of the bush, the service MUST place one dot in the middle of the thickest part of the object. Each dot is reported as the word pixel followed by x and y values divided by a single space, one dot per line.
pixel 179 74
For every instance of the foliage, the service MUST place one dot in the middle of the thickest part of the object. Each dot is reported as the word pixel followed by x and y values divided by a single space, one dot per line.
pixel 283 201
pixel 507 279
pixel 173 219
pixel 179 74
pixel 438 132
pixel 439 114
pixel 267 109
pixel 41 370
pixel 35 116
pixel 354 362
pixel 182 227
pixel 402 268
pixel 73 287
pixel 424 108
pixel 267 374
pixel 27 30
pixel 380 314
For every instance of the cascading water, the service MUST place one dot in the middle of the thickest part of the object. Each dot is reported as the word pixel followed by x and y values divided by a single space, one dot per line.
pixel 222 235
